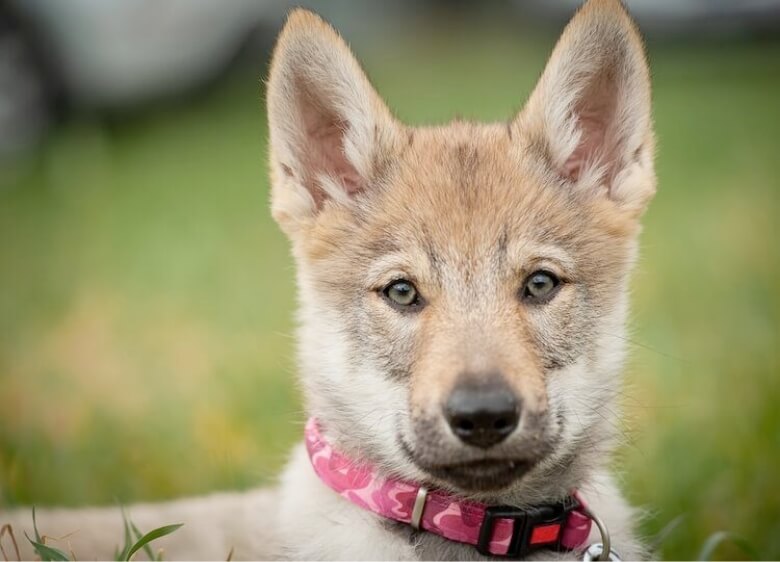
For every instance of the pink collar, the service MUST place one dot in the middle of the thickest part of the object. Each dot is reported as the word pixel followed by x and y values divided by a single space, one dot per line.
pixel 496 531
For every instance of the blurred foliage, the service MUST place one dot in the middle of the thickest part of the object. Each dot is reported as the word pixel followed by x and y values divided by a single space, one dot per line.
pixel 146 297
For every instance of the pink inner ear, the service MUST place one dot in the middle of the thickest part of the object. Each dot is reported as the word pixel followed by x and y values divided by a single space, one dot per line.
pixel 590 145
pixel 594 113
pixel 327 145
pixel 324 150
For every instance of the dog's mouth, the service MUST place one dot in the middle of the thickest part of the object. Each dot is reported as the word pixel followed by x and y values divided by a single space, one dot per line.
pixel 475 476
pixel 487 475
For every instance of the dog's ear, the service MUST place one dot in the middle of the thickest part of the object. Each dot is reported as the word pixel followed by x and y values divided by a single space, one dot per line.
pixel 590 113
pixel 328 126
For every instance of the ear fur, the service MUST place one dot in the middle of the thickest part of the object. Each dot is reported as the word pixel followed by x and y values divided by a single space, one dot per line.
pixel 327 124
pixel 591 111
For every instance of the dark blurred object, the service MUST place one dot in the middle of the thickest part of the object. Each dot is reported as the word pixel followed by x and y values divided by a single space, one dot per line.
pixel 24 86
pixel 679 17
pixel 109 55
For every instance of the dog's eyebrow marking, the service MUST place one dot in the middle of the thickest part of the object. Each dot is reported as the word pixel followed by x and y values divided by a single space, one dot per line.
pixel 382 246
pixel 433 257
pixel 540 253
pixel 501 252
pixel 387 266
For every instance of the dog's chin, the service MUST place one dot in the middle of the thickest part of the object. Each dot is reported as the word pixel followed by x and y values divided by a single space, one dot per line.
pixel 480 477
pixel 472 477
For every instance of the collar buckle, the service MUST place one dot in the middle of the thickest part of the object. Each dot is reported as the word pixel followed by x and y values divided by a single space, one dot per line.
pixel 536 527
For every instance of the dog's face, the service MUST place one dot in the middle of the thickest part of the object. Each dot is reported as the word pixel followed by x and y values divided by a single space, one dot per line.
pixel 463 288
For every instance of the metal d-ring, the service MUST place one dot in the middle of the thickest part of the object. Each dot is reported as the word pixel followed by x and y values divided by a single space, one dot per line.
pixel 603 550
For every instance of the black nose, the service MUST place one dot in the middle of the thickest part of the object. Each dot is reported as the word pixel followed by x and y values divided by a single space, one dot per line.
pixel 482 414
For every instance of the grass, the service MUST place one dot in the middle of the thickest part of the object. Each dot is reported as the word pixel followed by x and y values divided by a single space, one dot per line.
pixel 134 541
pixel 146 297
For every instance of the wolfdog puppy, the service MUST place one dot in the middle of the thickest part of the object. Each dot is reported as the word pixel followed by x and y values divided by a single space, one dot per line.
pixel 463 295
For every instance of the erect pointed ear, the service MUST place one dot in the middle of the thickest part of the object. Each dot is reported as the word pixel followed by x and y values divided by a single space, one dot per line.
pixel 590 112
pixel 328 126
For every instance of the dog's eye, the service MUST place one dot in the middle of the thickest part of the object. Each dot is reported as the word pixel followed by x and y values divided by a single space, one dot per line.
pixel 540 287
pixel 402 293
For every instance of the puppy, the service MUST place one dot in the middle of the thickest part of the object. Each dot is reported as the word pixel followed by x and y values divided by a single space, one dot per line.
pixel 463 293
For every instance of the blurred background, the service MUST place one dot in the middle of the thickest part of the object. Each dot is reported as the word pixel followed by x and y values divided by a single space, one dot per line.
pixel 146 297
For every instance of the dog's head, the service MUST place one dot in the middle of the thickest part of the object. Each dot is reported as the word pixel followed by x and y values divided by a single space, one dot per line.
pixel 463 288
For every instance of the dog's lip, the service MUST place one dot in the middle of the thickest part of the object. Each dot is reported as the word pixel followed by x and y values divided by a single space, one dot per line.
pixel 484 473
pixel 470 464
pixel 484 464
pixel 483 468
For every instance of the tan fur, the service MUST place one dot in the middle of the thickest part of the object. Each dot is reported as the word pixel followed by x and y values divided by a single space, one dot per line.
pixel 466 212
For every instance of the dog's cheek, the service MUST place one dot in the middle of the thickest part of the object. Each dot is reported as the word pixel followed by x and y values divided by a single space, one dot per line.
pixel 582 393
pixel 368 397
pixel 562 332
pixel 387 340
pixel 378 342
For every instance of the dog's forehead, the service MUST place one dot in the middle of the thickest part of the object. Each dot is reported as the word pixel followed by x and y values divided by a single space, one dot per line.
pixel 472 199
pixel 468 191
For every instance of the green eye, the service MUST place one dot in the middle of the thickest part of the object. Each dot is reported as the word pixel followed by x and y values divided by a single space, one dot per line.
pixel 401 293
pixel 540 286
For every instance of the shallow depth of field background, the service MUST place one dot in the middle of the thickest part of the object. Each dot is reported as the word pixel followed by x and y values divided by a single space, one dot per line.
pixel 146 297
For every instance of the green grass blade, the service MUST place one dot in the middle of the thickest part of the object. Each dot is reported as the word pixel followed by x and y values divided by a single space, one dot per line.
pixel 122 554
pixel 150 536
pixel 147 546
pixel 47 553
pixel 716 539
pixel 657 543
pixel 35 527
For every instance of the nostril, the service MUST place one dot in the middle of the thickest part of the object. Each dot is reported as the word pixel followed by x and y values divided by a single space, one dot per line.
pixel 464 425
pixel 501 424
